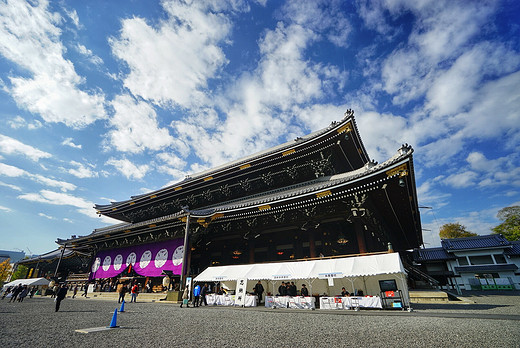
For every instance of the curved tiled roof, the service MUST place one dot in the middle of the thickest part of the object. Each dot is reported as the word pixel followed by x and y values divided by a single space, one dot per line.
pixel 431 254
pixel 488 241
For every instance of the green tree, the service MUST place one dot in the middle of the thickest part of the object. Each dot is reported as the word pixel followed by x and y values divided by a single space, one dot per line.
pixel 20 273
pixel 455 230
pixel 5 268
pixel 510 226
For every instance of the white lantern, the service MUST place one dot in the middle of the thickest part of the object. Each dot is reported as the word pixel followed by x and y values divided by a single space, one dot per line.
pixel 166 281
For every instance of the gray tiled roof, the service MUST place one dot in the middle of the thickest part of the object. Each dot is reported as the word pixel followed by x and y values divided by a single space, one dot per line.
pixel 515 249
pixel 488 241
pixel 431 254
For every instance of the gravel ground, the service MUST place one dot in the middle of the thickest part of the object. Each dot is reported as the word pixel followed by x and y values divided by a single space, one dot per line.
pixel 492 321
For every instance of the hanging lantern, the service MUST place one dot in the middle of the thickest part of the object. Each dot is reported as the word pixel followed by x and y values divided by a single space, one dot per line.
pixel 52 283
pixel 166 281
pixel 342 239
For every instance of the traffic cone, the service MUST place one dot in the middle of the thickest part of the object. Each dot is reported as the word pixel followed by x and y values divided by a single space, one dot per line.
pixel 122 309
pixel 113 323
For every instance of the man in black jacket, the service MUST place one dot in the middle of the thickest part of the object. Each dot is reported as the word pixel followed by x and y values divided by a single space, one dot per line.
pixel 62 292
pixel 259 290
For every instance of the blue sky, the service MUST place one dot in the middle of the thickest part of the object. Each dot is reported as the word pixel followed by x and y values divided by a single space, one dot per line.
pixel 101 100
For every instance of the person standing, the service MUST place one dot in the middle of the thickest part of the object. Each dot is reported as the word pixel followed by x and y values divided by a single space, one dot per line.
pixel 259 290
pixel 196 295
pixel 282 289
pixel 186 296
pixel 134 292
pixel 203 292
pixel 292 289
pixel 122 290
pixel 61 293
pixel 304 291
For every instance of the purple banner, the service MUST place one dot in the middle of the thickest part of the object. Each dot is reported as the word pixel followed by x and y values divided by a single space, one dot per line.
pixel 148 260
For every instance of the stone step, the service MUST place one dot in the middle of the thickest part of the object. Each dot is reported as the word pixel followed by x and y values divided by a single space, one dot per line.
pixel 428 296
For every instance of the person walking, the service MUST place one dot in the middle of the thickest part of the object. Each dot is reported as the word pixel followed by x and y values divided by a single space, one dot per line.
pixel 85 289
pixel 23 294
pixel 7 292
pixel 186 296
pixel 60 295
pixel 16 291
pixel 196 295
pixel 55 291
pixel 75 291
pixel 134 292
pixel 259 290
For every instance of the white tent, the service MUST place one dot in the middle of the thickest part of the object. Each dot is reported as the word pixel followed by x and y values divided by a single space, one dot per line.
pixel 28 282
pixel 324 275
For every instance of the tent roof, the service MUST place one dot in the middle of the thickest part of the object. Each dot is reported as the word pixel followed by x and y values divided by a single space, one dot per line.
pixel 29 282
pixel 340 267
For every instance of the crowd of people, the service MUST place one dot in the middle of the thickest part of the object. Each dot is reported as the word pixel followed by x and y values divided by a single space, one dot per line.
pixel 19 292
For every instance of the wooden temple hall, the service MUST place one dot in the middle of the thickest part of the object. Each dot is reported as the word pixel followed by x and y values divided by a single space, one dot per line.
pixel 319 195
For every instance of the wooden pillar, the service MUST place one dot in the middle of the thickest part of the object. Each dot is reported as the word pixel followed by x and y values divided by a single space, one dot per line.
pixel 251 251
pixel 312 244
pixel 358 226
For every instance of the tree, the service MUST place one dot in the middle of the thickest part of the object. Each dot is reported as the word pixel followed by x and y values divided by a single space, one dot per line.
pixel 20 273
pixel 455 230
pixel 510 226
pixel 5 268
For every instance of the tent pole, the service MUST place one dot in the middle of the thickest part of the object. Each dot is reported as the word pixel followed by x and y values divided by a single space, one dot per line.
pixel 184 258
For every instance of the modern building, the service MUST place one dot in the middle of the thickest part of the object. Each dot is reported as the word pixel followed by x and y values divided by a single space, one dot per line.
pixel 488 262
pixel 318 195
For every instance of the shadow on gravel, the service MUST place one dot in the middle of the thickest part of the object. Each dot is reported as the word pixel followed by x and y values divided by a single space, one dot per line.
pixel 476 307
pixel 78 311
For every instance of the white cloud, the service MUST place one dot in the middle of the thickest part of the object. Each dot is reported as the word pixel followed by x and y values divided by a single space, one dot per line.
pixel 172 62
pixel 53 89
pixel 5 209
pixel 461 180
pixel 56 198
pixel 20 122
pixel 46 216
pixel 323 16
pixel 440 33
pixel 135 127
pixel 12 171
pixel 83 171
pixel 89 55
pixel 128 169
pixel 10 146
pixel 12 187
pixel 69 142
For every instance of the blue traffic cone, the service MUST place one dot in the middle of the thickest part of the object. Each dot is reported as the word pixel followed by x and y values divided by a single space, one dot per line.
pixel 113 323
pixel 122 309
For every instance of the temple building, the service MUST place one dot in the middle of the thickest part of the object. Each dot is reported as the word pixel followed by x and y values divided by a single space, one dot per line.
pixel 319 195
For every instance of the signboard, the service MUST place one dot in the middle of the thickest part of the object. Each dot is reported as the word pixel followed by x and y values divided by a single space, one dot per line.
pixel 240 294
pixel 189 285
pixel 330 275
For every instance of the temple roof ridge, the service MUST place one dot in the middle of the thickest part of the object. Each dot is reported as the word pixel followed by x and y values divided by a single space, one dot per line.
pixel 299 141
